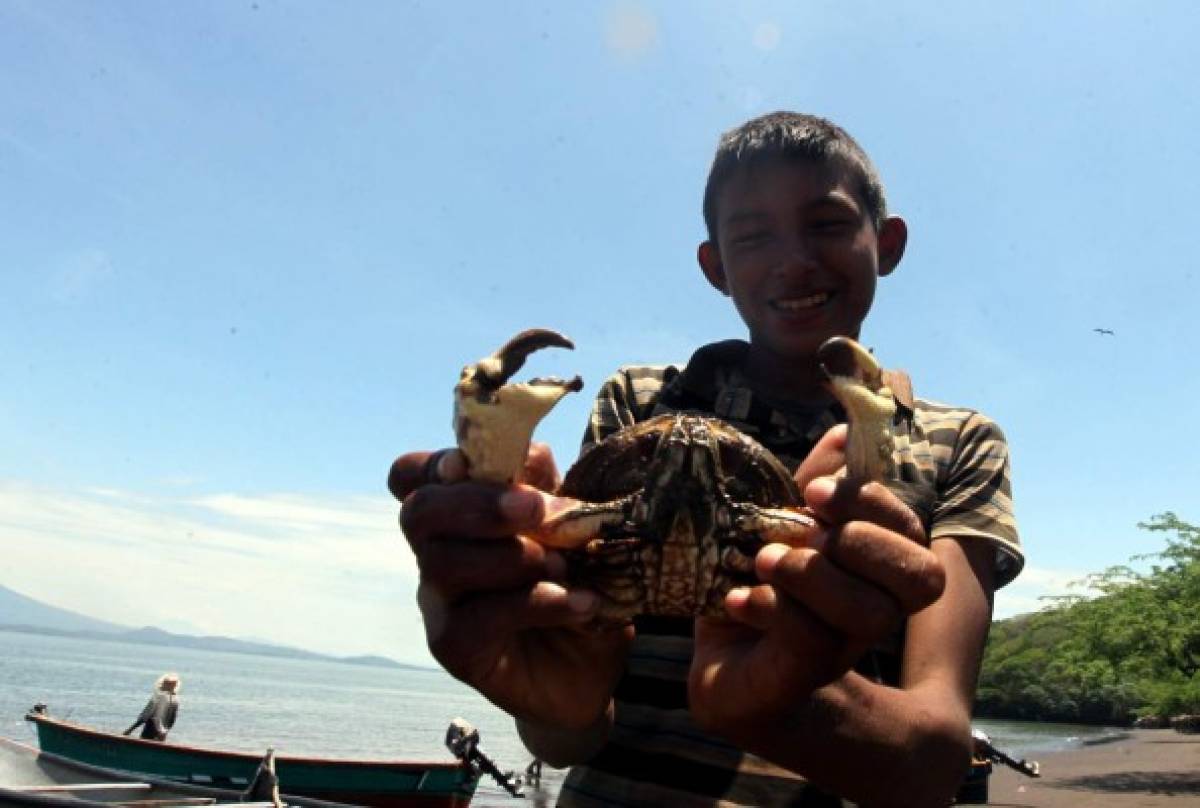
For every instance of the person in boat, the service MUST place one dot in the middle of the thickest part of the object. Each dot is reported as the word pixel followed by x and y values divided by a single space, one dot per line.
pixel 158 716
pixel 848 673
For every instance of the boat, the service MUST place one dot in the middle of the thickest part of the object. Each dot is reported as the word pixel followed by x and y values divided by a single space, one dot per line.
pixel 30 778
pixel 378 783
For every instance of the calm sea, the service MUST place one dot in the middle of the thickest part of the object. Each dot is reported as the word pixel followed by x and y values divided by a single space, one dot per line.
pixel 245 702
pixel 239 701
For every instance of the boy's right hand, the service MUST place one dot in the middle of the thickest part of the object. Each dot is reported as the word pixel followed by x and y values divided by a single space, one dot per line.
pixel 496 615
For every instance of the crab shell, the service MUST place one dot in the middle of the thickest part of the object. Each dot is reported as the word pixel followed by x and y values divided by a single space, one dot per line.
pixel 700 498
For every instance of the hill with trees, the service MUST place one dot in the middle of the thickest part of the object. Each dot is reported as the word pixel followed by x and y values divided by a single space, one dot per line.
pixel 1132 649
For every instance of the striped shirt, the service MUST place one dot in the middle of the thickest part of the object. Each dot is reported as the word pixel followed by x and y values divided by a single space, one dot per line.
pixel 951 469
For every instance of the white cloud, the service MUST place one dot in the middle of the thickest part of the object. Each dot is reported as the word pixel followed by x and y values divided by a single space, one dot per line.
pixel 630 30
pixel 291 512
pixel 1026 593
pixel 327 574
pixel 330 574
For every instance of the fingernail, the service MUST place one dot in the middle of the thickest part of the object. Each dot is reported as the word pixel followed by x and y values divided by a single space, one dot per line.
pixel 821 488
pixel 520 506
pixel 737 597
pixel 581 601
pixel 769 556
pixel 452 467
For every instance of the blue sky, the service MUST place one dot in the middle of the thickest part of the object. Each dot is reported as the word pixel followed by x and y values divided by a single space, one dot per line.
pixel 246 247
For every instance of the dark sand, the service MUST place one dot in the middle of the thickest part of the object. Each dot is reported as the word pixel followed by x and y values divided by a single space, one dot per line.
pixel 1147 768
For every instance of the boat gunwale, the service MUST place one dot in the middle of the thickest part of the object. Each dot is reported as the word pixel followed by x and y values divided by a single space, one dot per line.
pixel 69 726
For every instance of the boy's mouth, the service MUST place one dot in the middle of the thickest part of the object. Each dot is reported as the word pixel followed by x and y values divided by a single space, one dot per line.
pixel 804 303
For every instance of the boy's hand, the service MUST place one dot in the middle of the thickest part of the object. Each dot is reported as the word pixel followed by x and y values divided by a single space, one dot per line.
pixel 495 615
pixel 819 608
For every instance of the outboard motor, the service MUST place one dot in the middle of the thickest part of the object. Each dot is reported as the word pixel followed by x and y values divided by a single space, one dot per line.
pixel 462 740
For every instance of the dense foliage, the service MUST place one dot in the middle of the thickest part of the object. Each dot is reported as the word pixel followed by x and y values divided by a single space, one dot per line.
pixel 1130 649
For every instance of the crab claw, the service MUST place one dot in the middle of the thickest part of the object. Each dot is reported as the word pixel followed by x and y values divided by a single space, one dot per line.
pixel 856 379
pixel 494 420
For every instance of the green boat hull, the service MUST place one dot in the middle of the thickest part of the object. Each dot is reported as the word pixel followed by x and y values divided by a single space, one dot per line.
pixel 385 784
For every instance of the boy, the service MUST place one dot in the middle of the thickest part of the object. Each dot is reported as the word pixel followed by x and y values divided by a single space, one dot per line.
pixel 849 670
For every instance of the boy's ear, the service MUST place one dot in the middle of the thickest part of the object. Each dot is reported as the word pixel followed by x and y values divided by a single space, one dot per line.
pixel 710 261
pixel 893 236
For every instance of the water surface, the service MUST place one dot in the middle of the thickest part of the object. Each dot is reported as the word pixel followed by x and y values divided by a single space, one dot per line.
pixel 306 707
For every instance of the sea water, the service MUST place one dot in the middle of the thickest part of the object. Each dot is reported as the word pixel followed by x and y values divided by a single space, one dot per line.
pixel 308 707
pixel 248 702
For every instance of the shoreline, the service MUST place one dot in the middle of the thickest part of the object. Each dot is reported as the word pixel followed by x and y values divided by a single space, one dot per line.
pixel 1148 768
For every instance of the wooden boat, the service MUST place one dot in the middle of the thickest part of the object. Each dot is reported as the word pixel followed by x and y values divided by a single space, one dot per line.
pixel 383 784
pixel 33 779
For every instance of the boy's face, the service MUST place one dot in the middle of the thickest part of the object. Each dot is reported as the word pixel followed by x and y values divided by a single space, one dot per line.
pixel 798 254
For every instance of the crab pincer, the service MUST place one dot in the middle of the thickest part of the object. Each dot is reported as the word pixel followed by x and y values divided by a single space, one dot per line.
pixel 493 419
pixel 856 380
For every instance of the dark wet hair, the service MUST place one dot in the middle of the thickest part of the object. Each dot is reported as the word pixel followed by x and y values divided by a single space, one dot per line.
pixel 792 136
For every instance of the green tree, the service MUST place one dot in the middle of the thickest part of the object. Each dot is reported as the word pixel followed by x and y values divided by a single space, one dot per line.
pixel 1132 646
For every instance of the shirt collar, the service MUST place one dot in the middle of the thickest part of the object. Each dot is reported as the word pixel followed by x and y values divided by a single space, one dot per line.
pixel 715 380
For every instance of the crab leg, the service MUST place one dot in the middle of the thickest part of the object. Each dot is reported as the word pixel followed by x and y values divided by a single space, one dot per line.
pixel 572 523
pixel 857 381
pixel 494 420
pixel 792 526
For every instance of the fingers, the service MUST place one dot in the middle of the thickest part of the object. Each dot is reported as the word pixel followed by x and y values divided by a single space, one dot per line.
pixel 411 471
pixel 473 637
pixel 825 459
pixel 742 677
pixel 855 605
pixel 470 510
pixel 908 571
pixel 877 537
pixel 841 500
pixel 498 614
pixel 459 567
pixel 495 610
pixel 860 575
pixel 465 538
pixel 761 608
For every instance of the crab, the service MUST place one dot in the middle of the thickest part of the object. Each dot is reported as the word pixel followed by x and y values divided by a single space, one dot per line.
pixel 667 515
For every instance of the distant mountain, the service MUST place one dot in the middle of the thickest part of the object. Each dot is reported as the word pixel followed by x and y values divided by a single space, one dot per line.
pixel 156 636
pixel 21 613
pixel 17 609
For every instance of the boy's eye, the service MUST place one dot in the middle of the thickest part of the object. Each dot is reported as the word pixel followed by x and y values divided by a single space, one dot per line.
pixel 835 225
pixel 751 238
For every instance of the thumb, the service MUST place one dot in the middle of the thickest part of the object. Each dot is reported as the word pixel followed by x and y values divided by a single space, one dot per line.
pixel 540 470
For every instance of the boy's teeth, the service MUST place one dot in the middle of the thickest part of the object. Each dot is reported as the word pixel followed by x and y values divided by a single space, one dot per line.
pixel 800 303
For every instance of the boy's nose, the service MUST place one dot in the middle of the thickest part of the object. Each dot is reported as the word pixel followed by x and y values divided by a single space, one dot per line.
pixel 797 255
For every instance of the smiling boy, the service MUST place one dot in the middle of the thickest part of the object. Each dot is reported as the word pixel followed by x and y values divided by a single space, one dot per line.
pixel 850 669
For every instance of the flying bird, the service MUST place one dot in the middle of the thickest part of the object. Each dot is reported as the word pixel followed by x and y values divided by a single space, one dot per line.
pixel 1104 331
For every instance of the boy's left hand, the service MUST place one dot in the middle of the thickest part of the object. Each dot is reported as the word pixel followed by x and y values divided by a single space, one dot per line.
pixel 819 608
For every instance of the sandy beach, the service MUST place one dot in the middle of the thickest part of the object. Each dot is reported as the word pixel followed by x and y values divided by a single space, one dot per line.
pixel 1143 768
